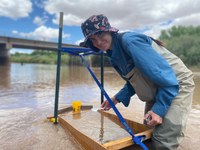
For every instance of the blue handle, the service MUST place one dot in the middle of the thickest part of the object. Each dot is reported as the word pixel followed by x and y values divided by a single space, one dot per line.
pixel 135 139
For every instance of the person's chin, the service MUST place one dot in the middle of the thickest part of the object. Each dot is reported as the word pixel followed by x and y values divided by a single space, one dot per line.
pixel 105 48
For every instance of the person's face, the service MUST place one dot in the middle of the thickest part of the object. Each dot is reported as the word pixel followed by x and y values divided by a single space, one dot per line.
pixel 102 40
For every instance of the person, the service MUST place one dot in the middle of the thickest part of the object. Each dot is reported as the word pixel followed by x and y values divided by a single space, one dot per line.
pixel 157 76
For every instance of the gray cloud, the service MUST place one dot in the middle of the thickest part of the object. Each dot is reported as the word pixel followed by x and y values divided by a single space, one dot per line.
pixel 126 14
pixel 123 14
pixel 148 16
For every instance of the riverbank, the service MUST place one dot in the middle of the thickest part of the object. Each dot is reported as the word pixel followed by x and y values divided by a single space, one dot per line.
pixel 49 57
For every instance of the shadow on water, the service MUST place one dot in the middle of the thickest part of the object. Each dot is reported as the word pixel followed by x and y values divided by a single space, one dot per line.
pixel 5 72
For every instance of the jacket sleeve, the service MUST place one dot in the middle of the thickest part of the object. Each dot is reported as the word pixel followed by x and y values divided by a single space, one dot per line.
pixel 154 67
pixel 124 95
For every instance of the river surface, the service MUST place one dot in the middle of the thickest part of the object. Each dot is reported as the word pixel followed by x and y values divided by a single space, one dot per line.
pixel 27 94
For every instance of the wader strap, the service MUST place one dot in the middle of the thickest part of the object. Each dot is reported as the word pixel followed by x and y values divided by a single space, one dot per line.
pixel 136 139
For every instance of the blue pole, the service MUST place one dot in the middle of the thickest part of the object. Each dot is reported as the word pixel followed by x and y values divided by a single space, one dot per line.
pixel 136 139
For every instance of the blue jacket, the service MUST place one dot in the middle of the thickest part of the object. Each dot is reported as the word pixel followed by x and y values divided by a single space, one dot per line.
pixel 135 50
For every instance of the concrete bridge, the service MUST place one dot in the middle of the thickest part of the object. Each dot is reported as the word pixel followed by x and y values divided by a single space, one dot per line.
pixel 6 43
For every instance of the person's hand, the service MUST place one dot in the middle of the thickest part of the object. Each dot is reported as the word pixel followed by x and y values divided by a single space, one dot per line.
pixel 152 119
pixel 106 105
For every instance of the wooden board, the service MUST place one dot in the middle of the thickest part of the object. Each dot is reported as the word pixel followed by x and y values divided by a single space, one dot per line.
pixel 137 128
pixel 90 144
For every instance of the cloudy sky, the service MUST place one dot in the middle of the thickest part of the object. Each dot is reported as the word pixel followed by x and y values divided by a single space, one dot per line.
pixel 37 19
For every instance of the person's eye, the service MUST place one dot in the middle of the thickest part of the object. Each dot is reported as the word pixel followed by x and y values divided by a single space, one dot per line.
pixel 101 35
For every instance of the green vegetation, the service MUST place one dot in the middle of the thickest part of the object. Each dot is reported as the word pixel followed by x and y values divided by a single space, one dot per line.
pixel 49 57
pixel 43 57
pixel 182 41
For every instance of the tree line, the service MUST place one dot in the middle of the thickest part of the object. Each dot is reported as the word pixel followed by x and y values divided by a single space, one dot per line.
pixel 183 42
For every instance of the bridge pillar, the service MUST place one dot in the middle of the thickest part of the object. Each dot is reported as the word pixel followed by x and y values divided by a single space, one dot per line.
pixel 5 53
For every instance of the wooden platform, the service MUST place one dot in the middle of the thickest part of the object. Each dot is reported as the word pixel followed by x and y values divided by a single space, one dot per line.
pixel 72 123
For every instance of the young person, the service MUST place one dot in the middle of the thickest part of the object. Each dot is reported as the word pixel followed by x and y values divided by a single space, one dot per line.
pixel 158 77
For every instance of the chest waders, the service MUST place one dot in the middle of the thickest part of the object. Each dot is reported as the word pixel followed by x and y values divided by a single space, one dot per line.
pixel 143 87
pixel 169 135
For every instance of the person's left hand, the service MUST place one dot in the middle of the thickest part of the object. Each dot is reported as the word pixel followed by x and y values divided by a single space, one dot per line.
pixel 154 119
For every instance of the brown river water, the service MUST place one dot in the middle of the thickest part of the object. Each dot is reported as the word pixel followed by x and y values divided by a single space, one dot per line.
pixel 27 98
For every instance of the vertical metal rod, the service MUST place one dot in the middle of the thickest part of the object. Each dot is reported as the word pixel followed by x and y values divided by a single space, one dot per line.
pixel 102 75
pixel 58 69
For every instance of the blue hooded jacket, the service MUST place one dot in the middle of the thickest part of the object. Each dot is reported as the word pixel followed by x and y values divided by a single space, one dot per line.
pixel 135 50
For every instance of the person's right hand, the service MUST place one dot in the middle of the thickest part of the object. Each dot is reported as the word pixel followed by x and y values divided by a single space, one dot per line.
pixel 154 119
pixel 106 105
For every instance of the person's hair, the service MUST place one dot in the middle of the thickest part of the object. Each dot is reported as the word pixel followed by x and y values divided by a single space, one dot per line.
pixel 160 43
pixel 103 32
